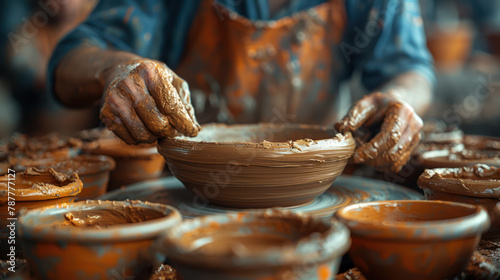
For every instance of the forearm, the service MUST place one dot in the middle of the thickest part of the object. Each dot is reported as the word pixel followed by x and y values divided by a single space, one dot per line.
pixel 412 88
pixel 83 73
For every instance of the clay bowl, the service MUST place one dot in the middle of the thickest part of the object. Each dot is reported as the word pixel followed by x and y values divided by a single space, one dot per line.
pixel 134 163
pixel 478 184
pixel 480 142
pixel 94 172
pixel 32 189
pixel 258 165
pixel 36 188
pixel 268 244
pixel 466 157
pixel 406 239
pixel 93 239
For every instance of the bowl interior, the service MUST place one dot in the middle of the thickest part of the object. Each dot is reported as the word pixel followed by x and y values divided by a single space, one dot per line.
pixel 414 212
pixel 256 133
pixel 254 235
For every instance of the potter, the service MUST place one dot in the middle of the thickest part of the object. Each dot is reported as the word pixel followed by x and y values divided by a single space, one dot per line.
pixel 245 62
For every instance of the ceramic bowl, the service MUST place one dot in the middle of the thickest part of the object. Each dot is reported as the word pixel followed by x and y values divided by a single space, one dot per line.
pixel 134 163
pixel 450 47
pixel 480 142
pixel 478 184
pixel 268 244
pixel 35 188
pixel 466 157
pixel 258 165
pixel 413 239
pixel 93 239
pixel 94 172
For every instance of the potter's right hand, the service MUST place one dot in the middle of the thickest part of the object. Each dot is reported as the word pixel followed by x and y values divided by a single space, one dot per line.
pixel 145 100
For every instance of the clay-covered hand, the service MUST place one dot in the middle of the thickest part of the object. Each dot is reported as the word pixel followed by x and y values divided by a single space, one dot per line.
pixel 399 134
pixel 145 100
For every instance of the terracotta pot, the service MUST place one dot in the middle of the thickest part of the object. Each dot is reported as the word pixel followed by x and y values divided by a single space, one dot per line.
pixel 478 184
pixel 93 170
pixel 466 157
pixel 32 189
pixel 258 165
pixel 413 239
pixel 450 48
pixel 134 163
pixel 36 188
pixel 93 239
pixel 251 245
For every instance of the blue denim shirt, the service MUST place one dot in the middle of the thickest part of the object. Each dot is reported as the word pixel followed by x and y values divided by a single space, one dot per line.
pixel 383 38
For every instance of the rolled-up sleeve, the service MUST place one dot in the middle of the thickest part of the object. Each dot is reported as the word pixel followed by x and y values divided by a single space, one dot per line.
pixel 127 25
pixel 384 39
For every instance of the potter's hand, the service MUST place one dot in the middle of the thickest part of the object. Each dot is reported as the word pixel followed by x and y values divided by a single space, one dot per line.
pixel 399 134
pixel 145 100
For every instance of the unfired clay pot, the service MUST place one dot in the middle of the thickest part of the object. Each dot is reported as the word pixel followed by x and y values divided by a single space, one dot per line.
pixel 254 245
pixel 466 157
pixel 94 239
pixel 36 188
pixel 413 239
pixel 258 165
pixel 93 170
pixel 134 163
pixel 480 142
pixel 478 184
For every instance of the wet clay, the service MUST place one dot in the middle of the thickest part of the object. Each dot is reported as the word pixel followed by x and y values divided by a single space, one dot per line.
pixel 256 245
pixel 123 242
pixel 478 142
pixel 35 185
pixel 164 272
pixel 104 218
pixel 53 144
pixel 259 165
pixel 466 157
pixel 391 238
pixel 479 180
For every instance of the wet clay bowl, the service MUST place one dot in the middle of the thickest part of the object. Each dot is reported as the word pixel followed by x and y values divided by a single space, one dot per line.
pixel 407 239
pixel 35 188
pixel 466 157
pixel 258 165
pixel 266 244
pixel 480 142
pixel 134 163
pixel 93 239
pixel 94 172
pixel 478 184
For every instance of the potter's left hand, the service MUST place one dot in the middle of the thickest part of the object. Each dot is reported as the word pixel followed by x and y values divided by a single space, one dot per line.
pixel 399 133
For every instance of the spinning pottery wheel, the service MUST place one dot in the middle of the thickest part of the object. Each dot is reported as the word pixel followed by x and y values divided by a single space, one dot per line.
pixel 344 191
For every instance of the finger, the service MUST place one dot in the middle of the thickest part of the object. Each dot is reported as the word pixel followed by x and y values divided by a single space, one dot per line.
pixel 405 157
pixel 120 106
pixel 183 90
pixel 114 124
pixel 410 138
pixel 168 101
pixel 394 125
pixel 145 107
pixel 363 110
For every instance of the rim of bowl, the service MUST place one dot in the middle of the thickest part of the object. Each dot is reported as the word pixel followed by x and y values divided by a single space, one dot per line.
pixel 332 243
pixel 113 147
pixel 104 164
pixel 417 230
pixel 427 180
pixel 124 232
pixel 428 159
pixel 72 188
pixel 341 139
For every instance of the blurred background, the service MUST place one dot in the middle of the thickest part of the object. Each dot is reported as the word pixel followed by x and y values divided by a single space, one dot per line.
pixel 463 36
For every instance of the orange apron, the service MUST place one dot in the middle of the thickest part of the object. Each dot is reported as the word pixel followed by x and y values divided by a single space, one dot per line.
pixel 242 71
